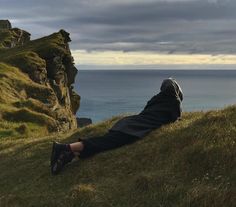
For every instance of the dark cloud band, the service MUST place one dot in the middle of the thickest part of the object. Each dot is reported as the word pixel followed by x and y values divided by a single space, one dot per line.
pixel 169 26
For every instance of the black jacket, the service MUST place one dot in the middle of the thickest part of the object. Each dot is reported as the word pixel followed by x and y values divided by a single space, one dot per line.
pixel 163 108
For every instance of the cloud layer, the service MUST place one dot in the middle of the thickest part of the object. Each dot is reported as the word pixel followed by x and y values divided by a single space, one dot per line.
pixel 150 58
pixel 162 26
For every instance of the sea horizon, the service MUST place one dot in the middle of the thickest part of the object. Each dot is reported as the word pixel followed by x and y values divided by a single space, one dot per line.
pixel 107 93
pixel 157 67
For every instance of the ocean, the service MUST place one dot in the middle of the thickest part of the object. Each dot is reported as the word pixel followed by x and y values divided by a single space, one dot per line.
pixel 106 93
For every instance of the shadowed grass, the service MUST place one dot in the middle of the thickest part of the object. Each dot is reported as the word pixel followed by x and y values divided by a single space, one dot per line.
pixel 188 163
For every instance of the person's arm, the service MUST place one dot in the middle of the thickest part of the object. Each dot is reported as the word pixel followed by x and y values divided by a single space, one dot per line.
pixel 151 101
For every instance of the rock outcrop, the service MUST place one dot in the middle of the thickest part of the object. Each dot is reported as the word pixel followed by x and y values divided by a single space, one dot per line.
pixel 12 37
pixel 5 24
pixel 48 63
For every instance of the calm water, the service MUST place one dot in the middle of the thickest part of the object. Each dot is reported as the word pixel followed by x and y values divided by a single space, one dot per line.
pixel 105 93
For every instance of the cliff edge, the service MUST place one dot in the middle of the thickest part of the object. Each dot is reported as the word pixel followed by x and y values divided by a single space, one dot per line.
pixel 36 82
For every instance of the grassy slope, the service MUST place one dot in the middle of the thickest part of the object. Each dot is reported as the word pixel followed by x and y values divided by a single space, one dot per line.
pixel 19 117
pixel 188 163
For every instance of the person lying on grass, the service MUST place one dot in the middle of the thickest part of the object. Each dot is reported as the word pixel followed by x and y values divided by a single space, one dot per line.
pixel 163 108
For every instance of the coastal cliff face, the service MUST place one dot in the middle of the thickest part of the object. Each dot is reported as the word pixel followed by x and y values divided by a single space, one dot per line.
pixel 36 79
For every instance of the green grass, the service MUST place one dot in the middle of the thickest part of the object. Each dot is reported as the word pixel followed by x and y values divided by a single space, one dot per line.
pixel 22 102
pixel 187 163
pixel 6 37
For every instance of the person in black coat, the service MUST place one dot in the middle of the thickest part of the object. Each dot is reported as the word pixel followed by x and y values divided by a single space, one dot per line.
pixel 163 108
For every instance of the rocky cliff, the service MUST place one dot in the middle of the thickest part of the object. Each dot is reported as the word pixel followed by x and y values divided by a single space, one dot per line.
pixel 36 79
pixel 12 37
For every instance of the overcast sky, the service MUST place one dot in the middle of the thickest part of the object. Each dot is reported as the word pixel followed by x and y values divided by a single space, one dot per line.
pixel 140 27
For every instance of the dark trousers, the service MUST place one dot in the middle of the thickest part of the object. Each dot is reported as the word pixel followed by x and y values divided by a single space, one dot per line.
pixel 111 140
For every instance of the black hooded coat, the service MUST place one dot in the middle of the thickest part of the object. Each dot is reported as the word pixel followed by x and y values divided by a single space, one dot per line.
pixel 161 109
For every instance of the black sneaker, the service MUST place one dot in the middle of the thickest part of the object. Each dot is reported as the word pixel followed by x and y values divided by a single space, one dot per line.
pixel 60 157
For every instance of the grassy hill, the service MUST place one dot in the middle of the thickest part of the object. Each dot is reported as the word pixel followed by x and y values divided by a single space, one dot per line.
pixel 187 163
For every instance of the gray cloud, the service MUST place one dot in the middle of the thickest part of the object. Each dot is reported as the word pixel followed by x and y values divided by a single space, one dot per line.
pixel 168 26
